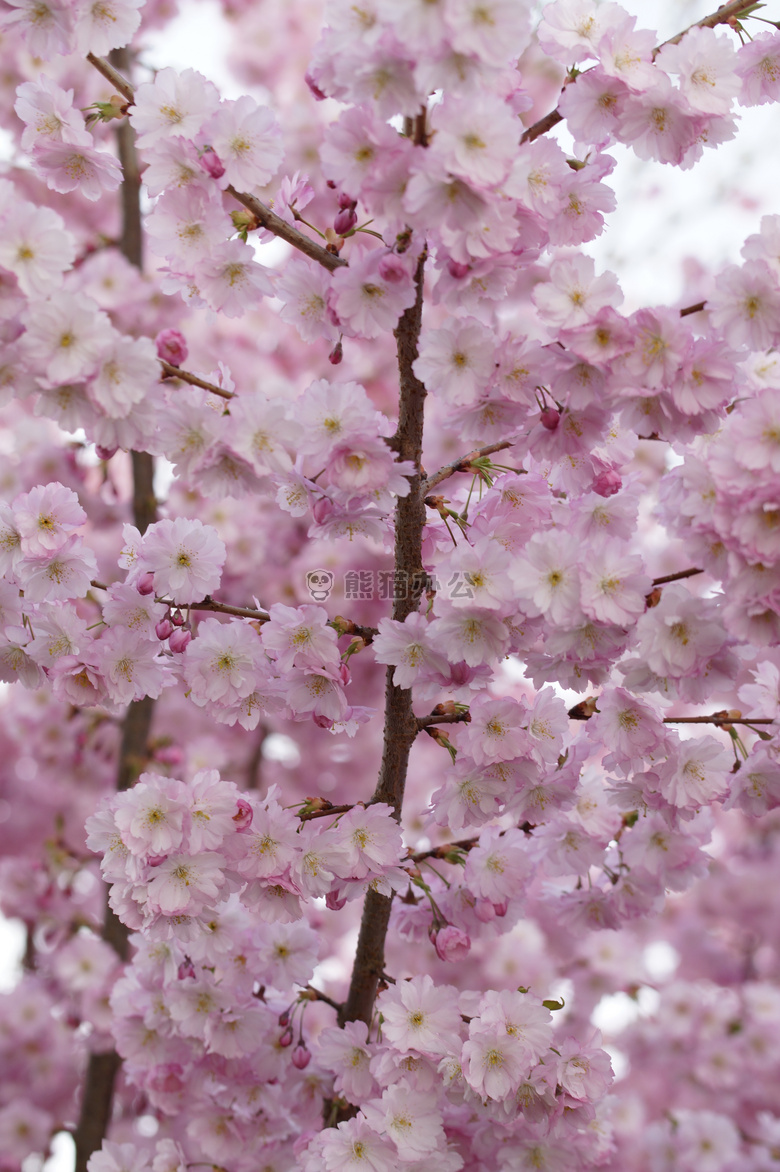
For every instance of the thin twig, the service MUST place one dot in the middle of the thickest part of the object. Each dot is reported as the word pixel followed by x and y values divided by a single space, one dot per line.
pixel 677 577
pixel 462 464
pixel 443 718
pixel 722 16
pixel 689 309
pixel 320 996
pixel 273 223
pixel 264 216
pixel 326 812
pixel 717 720
pixel 193 379
pixel 120 83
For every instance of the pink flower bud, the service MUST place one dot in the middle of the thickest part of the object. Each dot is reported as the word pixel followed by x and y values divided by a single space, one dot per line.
pixel 186 969
pixel 105 453
pixel 169 755
pixel 484 911
pixel 345 220
pixel 163 629
pixel 550 418
pixel 301 1057
pixel 284 1018
pixel 314 89
pixel 179 640
pixel 286 1039
pixel 344 674
pixel 322 509
pixel 322 721
pixel 211 163
pixel 607 483
pixel 243 818
pixel 457 270
pixel 171 347
pixel 333 903
pixel 145 584
pixel 177 618
pixel 451 943
pixel 336 354
pixel 392 269
pixel 501 908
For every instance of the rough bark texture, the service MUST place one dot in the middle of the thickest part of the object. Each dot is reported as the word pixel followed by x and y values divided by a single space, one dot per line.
pixel 400 727
pixel 102 1069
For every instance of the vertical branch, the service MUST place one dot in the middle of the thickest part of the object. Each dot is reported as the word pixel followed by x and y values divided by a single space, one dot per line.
pixel 400 728
pixel 102 1069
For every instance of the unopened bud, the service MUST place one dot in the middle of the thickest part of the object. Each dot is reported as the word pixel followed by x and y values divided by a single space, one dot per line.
pixel 105 453
pixel 244 220
pixel 457 270
pixel 179 640
pixel 171 347
pixel 333 902
pixel 345 221
pixel 301 1057
pixel 286 1039
pixel 314 89
pixel 145 584
pixel 177 618
pixel 607 483
pixel 211 163
pixel 653 598
pixel 163 629
pixel 550 418
pixel 336 354
pixel 186 969
pixel 243 815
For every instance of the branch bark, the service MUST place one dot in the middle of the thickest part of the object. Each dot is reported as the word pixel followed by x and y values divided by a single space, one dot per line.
pixel 102 1069
pixel 400 728
pixel 722 16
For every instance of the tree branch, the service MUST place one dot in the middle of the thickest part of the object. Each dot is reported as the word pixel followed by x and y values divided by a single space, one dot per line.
pixel 462 464
pixel 264 216
pixel 722 16
pixel 102 1069
pixel 400 728
pixel 176 372
pixel 273 223
pixel 677 577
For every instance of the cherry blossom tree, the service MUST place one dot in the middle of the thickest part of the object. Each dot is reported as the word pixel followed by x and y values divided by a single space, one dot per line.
pixel 389 620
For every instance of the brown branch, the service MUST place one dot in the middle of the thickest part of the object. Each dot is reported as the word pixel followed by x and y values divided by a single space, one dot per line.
pixel 462 464
pixel 120 83
pixel 273 223
pixel 443 718
pixel 722 16
pixel 677 577
pixel 242 612
pixel 264 216
pixel 318 995
pixel 327 811
pixel 193 379
pixel 400 727
pixel 441 852
pixel 716 720
pixel 102 1068
pixel 689 309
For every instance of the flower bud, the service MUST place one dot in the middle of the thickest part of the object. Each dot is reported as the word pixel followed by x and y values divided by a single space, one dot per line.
pixel 284 1018
pixel 179 640
pixel 186 969
pixel 333 903
pixel 501 908
pixel 171 347
pixel 457 270
pixel 105 453
pixel 607 483
pixel 145 584
pixel 314 89
pixel 301 1057
pixel 392 269
pixel 177 618
pixel 211 163
pixel 286 1039
pixel 243 819
pixel 336 354
pixel 550 418
pixel 345 221
pixel 484 911
pixel 451 943
pixel 344 674
pixel 163 629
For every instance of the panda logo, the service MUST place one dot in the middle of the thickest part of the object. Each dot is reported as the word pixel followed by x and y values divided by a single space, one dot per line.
pixel 319 584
